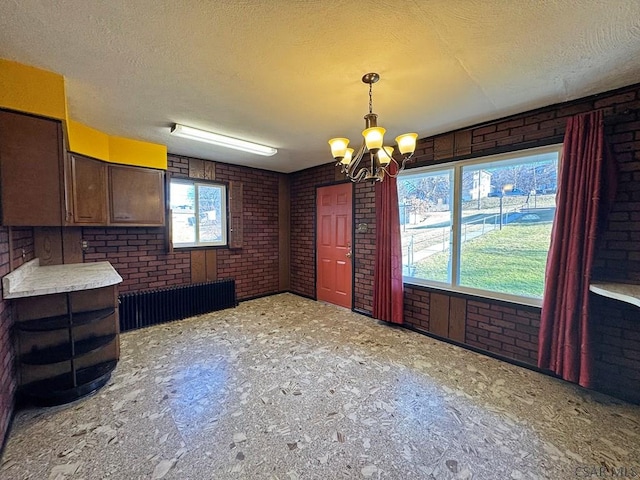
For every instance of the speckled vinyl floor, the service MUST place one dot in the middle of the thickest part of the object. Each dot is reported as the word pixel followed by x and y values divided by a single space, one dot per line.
pixel 287 388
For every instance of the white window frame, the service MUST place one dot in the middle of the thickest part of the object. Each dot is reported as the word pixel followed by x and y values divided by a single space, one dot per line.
pixel 456 168
pixel 224 242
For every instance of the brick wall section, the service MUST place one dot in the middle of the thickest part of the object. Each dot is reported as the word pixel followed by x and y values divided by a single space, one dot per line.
pixel 513 332
pixel 506 330
pixel 22 245
pixel 178 166
pixel 139 256
pixel 617 347
pixel 416 307
pixel 255 266
pixel 365 247
pixel 7 367
pixel 22 238
pixel 303 207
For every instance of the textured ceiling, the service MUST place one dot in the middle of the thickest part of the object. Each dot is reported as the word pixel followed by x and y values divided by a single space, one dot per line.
pixel 287 72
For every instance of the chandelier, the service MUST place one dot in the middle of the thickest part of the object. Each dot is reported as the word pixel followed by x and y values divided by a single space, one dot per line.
pixel 378 158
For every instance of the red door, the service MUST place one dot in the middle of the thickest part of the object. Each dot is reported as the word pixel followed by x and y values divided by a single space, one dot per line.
pixel 333 240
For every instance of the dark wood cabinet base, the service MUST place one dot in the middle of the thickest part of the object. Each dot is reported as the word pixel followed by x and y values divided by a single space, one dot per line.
pixel 60 390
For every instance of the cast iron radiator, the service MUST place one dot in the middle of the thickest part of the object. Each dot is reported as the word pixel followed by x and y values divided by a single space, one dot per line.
pixel 151 307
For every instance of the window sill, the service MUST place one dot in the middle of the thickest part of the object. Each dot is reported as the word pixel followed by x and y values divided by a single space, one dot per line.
pixel 199 247
pixel 479 295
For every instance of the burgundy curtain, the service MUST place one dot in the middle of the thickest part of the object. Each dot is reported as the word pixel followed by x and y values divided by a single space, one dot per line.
pixel 586 180
pixel 388 296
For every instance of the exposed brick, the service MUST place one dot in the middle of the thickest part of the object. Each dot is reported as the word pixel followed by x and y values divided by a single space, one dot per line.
pixel 139 256
pixel 22 238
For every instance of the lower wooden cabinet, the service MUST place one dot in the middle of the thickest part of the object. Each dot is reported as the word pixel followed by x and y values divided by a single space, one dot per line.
pixel 67 344
pixel 448 316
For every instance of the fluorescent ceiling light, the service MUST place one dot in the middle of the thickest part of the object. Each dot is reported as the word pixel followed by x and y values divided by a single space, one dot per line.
pixel 221 140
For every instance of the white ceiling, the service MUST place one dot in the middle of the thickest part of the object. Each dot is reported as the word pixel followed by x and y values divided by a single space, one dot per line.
pixel 287 73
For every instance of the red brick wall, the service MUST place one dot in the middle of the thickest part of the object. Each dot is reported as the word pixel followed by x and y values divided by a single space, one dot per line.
pixel 416 307
pixel 303 207
pixel 7 368
pixel 616 337
pixel 255 266
pixel 512 331
pixel 303 197
pixel 364 248
pixel 505 330
pixel 22 238
pixel 138 254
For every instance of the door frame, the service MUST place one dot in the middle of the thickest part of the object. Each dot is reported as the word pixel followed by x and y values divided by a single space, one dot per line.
pixel 353 239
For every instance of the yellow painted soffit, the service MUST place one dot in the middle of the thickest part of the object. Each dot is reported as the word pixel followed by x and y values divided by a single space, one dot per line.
pixel 87 141
pixel 32 90
pixel 40 92
pixel 135 152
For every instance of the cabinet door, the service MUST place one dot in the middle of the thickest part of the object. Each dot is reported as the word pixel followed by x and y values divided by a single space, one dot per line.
pixel 30 170
pixel 89 190
pixel 136 196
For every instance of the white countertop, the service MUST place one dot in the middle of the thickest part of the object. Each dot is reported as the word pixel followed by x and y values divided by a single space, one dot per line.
pixel 625 292
pixel 31 279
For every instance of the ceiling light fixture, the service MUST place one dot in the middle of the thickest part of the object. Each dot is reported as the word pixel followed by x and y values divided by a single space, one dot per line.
pixel 221 140
pixel 380 156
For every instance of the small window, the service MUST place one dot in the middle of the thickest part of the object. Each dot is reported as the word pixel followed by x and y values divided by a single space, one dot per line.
pixel 481 226
pixel 199 213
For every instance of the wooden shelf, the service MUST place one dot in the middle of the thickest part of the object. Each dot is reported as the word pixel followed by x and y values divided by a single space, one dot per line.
pixel 66 332
pixel 62 321
pixel 62 353
pixel 61 389
pixel 625 292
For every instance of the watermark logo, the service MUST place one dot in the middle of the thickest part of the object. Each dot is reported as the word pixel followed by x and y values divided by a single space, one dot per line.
pixel 601 471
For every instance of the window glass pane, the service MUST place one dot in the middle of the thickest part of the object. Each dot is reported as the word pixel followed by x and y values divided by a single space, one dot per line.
pixel 210 206
pixel 183 201
pixel 507 211
pixel 425 202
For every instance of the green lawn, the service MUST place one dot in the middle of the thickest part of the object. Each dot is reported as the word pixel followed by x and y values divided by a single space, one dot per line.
pixel 511 260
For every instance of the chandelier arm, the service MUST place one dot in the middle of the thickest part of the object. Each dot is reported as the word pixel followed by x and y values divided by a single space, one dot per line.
pixel 386 168
pixel 362 173
pixel 355 161
pixel 400 166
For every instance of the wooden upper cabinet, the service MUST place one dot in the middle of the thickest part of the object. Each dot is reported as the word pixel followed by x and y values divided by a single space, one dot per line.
pixel 136 196
pixel 87 190
pixel 30 170
pixel 39 187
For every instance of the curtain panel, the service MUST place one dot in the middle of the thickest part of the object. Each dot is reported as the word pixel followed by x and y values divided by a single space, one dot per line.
pixel 388 293
pixel 586 188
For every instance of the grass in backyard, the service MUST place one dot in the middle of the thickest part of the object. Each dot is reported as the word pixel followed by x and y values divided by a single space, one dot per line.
pixel 511 260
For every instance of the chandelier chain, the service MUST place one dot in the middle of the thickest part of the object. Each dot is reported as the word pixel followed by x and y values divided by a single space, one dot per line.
pixel 370 98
